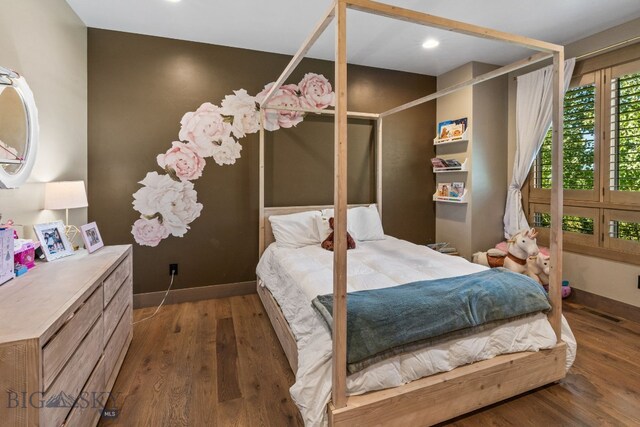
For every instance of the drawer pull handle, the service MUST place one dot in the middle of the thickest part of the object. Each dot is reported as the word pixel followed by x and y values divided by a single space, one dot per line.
pixel 71 316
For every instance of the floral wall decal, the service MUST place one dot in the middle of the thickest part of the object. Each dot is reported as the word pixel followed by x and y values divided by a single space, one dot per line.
pixel 168 202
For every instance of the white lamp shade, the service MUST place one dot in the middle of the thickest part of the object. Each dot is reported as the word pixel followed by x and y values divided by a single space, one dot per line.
pixel 65 195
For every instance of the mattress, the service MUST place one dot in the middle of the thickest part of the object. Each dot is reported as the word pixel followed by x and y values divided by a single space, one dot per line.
pixel 296 276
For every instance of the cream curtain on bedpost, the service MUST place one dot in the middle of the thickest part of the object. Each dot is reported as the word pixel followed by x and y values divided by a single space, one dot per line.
pixel 534 98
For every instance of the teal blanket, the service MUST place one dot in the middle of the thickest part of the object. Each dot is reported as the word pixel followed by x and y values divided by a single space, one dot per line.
pixel 389 321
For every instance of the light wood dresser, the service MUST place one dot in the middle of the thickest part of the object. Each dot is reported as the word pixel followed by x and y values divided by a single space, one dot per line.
pixel 65 328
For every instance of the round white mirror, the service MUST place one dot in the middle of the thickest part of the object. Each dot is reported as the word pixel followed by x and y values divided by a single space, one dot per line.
pixel 18 129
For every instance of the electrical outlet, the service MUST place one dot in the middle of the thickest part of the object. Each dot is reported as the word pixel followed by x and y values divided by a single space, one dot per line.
pixel 173 269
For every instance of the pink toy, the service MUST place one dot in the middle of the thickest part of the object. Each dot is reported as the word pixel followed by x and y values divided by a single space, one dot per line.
pixel 25 255
pixel 566 289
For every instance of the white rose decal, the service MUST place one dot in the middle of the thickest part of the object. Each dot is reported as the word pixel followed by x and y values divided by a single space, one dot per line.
pixel 175 203
pixel 168 203
pixel 242 107
pixel 227 152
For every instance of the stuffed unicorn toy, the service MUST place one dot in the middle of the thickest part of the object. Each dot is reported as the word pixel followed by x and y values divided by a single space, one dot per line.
pixel 538 268
pixel 520 247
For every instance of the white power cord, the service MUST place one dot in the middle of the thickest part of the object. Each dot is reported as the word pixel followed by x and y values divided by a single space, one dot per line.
pixel 161 302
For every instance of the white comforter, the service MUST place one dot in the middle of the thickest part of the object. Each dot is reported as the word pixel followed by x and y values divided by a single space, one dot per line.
pixel 296 276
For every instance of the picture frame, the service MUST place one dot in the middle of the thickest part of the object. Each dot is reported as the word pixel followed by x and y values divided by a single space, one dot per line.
pixel 53 240
pixel 91 237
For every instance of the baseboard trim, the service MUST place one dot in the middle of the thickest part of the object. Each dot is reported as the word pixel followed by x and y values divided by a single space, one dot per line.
pixel 177 296
pixel 607 305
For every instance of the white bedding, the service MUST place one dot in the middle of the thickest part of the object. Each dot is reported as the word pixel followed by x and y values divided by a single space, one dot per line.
pixel 296 276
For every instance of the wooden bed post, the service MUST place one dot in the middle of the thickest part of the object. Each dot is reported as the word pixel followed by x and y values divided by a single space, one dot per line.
pixel 339 391
pixel 261 187
pixel 555 279
pixel 379 165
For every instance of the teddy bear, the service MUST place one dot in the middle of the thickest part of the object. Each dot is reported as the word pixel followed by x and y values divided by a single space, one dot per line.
pixel 328 242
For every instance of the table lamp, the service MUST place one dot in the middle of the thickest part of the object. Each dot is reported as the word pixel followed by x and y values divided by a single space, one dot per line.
pixel 66 195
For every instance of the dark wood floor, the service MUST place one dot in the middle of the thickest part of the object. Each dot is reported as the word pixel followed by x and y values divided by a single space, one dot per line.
pixel 218 363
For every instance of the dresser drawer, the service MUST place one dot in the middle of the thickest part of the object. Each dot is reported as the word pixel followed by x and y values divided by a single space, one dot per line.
pixel 62 345
pixel 68 385
pixel 89 405
pixel 116 278
pixel 116 307
pixel 117 342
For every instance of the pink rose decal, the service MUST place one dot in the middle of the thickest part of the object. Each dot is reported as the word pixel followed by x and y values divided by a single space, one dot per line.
pixel 285 96
pixel 149 232
pixel 316 92
pixel 182 162
pixel 203 128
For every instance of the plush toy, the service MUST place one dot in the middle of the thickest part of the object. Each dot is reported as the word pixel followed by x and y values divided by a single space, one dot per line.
pixel 538 269
pixel 328 242
pixel 566 289
pixel 521 246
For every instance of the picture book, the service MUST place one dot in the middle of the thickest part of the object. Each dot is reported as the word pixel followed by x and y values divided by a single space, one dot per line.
pixel 452 128
pixel 456 189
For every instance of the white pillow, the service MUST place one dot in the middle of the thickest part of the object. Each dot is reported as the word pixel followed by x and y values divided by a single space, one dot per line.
pixel 295 230
pixel 366 224
pixel 363 223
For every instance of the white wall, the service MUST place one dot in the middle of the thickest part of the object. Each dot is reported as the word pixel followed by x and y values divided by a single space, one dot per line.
pixel 489 159
pixel 611 279
pixel 47 43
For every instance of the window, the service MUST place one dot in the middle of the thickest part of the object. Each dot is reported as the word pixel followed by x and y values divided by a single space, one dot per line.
pixel 601 165
pixel 579 142
pixel 572 224
pixel 624 156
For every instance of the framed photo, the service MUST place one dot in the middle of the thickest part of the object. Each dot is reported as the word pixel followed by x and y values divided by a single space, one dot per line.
pixel 53 240
pixel 91 237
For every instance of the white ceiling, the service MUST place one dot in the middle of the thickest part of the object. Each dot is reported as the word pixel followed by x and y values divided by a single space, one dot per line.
pixel 282 25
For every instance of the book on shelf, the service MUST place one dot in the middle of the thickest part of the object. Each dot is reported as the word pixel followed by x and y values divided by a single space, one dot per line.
pixel 442 247
pixel 452 128
pixel 448 250
pixel 443 189
pixel 439 163
pixel 453 163
pixel 456 189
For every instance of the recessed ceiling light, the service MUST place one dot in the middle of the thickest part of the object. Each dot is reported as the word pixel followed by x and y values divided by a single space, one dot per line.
pixel 430 43
pixel 173 1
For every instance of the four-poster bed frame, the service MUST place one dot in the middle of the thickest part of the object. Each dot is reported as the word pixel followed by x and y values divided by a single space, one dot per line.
pixel 446 395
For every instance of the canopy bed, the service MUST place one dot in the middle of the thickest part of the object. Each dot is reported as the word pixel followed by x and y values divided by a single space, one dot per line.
pixel 426 397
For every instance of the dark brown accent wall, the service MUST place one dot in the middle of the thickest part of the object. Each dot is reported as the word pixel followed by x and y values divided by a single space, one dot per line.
pixel 139 89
